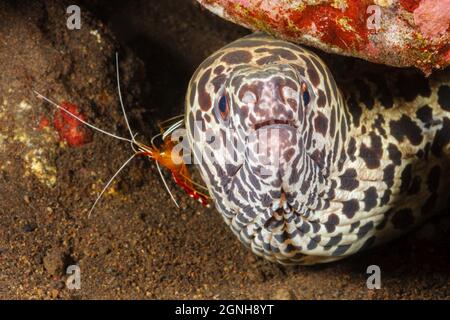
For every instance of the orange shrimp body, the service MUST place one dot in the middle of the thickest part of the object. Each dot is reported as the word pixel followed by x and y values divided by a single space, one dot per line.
pixel 178 168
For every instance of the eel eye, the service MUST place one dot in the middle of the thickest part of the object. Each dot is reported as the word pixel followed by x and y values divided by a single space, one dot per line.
pixel 223 106
pixel 305 94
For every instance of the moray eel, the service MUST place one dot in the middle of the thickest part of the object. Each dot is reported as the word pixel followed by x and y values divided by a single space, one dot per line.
pixel 305 171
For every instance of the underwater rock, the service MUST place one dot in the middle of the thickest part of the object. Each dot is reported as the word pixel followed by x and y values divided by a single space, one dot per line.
pixel 399 33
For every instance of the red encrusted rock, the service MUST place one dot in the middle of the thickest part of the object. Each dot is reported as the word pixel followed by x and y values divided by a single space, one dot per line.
pixel 70 129
pixel 407 33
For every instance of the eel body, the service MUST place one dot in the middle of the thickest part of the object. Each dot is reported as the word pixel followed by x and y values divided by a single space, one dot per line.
pixel 309 163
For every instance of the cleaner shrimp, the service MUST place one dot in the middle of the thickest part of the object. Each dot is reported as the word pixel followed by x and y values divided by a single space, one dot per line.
pixel 163 156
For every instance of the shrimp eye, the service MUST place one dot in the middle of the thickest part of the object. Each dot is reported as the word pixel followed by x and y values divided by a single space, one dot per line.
pixel 305 94
pixel 224 109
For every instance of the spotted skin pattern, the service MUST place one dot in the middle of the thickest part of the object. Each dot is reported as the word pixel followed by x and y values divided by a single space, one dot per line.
pixel 358 165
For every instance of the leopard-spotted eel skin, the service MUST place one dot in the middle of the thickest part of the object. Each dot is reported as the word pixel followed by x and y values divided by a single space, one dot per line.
pixel 359 163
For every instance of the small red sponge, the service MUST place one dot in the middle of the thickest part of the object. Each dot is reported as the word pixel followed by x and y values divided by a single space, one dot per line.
pixel 70 129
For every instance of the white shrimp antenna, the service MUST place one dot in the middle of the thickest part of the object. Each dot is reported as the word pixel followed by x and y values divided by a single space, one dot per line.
pixel 132 139
pixel 81 120
pixel 109 183
pixel 120 97
pixel 172 128
pixel 131 132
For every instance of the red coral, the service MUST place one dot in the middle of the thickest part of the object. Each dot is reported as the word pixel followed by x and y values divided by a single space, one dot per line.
pixel 341 27
pixel 410 5
pixel 328 22
pixel 70 129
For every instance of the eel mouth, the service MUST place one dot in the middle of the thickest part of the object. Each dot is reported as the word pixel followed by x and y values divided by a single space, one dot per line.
pixel 274 122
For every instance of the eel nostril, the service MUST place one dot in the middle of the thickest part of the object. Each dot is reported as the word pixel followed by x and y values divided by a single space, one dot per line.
pixel 249 98
pixel 281 94
pixel 289 93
